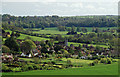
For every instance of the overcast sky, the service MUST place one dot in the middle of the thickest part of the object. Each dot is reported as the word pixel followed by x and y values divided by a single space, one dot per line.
pixel 60 7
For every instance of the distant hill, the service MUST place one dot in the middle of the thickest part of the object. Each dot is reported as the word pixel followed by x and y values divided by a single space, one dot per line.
pixel 55 21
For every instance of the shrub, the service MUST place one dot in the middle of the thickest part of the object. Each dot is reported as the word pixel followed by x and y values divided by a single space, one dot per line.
pixel 30 67
pixel 24 68
pixel 5 49
pixel 16 69
pixel 96 61
pixel 36 60
pixel 69 62
pixel 5 68
pixel 80 65
pixel 114 60
pixel 36 67
pixel 103 60
pixel 41 67
pixel 47 55
pixel 89 58
pixel 53 62
pixel 75 65
pixel 102 56
pixel 109 61
pixel 106 60
pixel 51 68
pixel 18 63
pixel 91 64
pixel 94 57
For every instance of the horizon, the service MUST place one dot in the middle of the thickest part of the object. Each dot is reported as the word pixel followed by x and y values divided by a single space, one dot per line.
pixel 55 15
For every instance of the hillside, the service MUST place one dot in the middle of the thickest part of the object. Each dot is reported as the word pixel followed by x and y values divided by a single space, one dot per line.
pixel 55 21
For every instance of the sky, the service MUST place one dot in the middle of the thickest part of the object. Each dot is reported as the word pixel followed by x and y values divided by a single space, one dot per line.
pixel 59 7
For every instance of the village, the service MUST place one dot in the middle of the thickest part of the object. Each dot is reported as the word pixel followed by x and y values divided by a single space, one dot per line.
pixel 61 48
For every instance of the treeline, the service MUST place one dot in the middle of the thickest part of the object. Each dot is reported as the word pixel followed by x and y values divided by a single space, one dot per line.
pixel 55 21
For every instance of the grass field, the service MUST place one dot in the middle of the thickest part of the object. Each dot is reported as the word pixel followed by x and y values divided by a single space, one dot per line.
pixel 77 44
pixel 54 30
pixel 102 69
pixel 34 38
pixel 23 36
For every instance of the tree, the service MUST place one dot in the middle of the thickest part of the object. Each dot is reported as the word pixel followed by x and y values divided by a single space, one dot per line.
pixel 84 30
pixel 80 46
pixel 73 28
pixel 42 27
pixel 28 45
pixel 13 34
pixel 57 48
pixel 71 51
pixel 98 48
pixel 61 28
pixel 5 49
pixel 68 29
pixel 78 29
pixel 44 49
pixel 12 44
pixel 17 34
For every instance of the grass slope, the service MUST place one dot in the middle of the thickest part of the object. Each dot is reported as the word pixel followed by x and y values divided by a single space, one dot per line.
pixel 77 44
pixel 102 69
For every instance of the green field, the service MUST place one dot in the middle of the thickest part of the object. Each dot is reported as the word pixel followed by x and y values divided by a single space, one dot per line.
pixel 102 69
pixel 23 36
pixel 34 38
pixel 77 44
pixel 54 30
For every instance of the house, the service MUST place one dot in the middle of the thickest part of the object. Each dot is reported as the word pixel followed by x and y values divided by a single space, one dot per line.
pixel 26 55
pixel 83 57
pixel 74 55
pixel 7 57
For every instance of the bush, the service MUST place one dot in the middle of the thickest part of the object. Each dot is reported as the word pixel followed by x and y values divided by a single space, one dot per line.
pixel 96 61
pixel 47 55
pixel 36 67
pixel 89 58
pixel 103 60
pixel 53 62
pixel 102 56
pixel 5 49
pixel 91 64
pixel 80 65
pixel 37 60
pixel 69 62
pixel 114 60
pixel 109 61
pixel 27 67
pixel 30 67
pixel 41 67
pixel 5 68
pixel 16 69
pixel 106 60
pixel 24 68
pixel 94 57
pixel 51 68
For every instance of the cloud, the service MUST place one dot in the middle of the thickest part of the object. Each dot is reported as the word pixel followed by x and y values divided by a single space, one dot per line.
pixel 60 0
pixel 77 5
pixel 90 7
pixel 28 0
pixel 59 8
